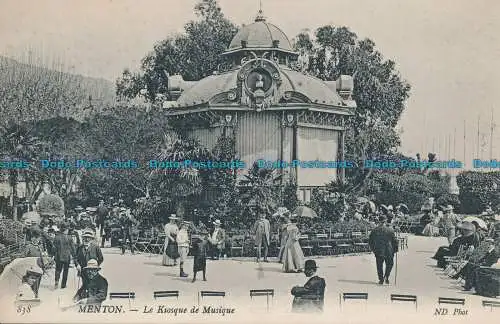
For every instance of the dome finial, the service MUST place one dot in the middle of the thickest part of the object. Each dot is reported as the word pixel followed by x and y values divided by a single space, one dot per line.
pixel 260 15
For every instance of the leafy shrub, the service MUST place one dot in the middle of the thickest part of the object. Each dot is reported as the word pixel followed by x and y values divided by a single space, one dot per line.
pixel 410 188
pixel 477 189
pixel 50 204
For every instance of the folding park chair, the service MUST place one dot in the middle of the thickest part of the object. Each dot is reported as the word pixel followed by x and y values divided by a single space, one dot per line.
pixel 237 244
pixel 352 296
pixel 451 301
pixel 323 244
pixel 263 292
pixel 156 244
pixel 206 293
pixel 166 294
pixel 357 240
pixel 123 295
pixel 405 298
pixel 491 304
pixel 307 246
pixel 340 244
pixel 456 262
pixel 143 244
pixel 402 241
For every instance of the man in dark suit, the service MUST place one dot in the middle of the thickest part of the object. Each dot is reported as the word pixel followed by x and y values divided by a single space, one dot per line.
pixel 310 297
pixel 64 249
pixel 87 251
pixel 384 245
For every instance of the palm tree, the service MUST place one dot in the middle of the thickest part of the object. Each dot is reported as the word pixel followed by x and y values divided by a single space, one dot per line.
pixel 17 143
pixel 260 189
pixel 179 183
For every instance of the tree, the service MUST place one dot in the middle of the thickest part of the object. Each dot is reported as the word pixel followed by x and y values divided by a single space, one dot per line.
pixel 379 91
pixel 194 54
pixel 258 189
pixel 18 143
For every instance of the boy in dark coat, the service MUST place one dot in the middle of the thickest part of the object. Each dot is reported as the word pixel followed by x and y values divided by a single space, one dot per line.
pixel 200 256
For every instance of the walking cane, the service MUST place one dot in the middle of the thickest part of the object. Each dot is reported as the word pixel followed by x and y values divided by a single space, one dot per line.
pixel 396 271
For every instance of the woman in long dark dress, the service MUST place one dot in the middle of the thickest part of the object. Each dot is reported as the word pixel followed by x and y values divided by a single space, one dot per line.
pixel 170 250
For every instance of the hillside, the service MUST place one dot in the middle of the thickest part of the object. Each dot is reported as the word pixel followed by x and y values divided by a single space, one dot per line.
pixel 33 92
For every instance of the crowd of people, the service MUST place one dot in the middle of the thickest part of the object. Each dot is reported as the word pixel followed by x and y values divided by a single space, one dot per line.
pixel 472 245
pixel 77 241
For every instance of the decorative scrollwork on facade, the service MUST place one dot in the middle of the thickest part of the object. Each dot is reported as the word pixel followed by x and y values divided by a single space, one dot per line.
pixel 321 118
pixel 294 97
pixel 259 81
pixel 228 97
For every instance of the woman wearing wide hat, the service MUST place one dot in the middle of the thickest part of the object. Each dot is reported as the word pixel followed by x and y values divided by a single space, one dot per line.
pixel 284 217
pixel 466 240
pixel 170 249
pixel 28 290
pixel 449 222
pixel 293 257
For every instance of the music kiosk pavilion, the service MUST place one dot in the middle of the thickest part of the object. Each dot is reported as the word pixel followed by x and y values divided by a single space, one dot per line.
pixel 273 110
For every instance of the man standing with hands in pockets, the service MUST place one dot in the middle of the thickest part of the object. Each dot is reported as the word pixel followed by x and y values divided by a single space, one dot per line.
pixel 384 245
pixel 262 230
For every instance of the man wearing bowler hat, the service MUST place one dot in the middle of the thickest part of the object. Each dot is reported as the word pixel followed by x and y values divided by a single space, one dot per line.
pixel 384 245
pixel 310 297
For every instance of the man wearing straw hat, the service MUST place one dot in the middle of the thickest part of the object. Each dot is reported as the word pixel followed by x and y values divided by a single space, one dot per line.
pixel 183 246
pixel 95 289
pixel 217 240
pixel 310 297
pixel 89 250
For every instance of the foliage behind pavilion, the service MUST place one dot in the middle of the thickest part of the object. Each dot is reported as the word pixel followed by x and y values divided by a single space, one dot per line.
pixel 262 98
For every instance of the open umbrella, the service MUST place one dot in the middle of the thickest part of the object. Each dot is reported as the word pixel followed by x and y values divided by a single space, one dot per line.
pixel 403 208
pixel 306 212
pixel 481 223
pixel 362 200
pixel 11 277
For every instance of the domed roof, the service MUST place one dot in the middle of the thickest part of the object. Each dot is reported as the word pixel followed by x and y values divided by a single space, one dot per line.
pixel 316 90
pixel 260 34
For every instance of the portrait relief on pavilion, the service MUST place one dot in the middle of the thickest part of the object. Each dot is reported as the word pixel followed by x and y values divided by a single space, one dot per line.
pixel 259 81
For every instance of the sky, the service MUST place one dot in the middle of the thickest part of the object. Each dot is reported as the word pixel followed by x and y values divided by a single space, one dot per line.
pixel 448 51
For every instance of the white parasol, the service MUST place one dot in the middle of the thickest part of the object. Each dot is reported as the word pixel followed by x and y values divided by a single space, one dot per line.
pixel 481 223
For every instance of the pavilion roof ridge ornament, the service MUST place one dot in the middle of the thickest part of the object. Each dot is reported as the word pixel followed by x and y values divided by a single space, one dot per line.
pixel 260 14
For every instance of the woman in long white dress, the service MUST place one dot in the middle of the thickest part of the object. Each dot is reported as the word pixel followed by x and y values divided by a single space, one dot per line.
pixel 170 249
pixel 293 257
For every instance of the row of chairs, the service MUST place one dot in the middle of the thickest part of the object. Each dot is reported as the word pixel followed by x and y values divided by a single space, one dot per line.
pixel 323 244
pixel 270 293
